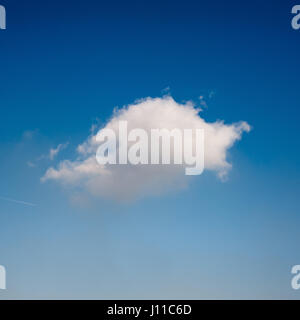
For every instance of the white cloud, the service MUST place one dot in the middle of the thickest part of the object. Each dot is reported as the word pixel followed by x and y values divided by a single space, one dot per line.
pixel 126 182
pixel 54 151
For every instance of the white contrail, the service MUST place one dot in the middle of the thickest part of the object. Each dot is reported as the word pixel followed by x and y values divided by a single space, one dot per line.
pixel 18 201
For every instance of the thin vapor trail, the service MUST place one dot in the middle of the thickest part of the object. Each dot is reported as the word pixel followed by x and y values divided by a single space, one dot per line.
pixel 18 201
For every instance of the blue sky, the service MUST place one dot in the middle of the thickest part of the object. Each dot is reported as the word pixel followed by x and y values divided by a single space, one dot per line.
pixel 64 64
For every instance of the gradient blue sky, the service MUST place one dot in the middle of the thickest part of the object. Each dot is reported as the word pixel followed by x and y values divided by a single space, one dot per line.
pixel 65 63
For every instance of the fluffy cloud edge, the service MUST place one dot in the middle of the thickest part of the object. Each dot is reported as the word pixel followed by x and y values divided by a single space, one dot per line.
pixel 107 181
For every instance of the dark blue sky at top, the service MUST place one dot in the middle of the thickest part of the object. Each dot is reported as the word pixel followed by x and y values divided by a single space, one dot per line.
pixel 65 63
pixel 63 60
